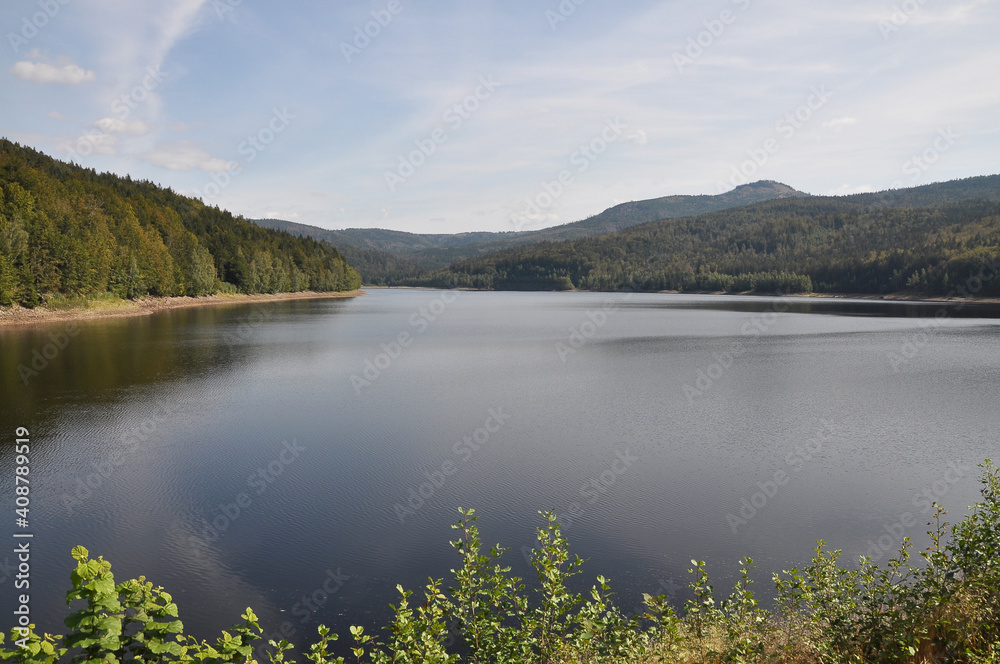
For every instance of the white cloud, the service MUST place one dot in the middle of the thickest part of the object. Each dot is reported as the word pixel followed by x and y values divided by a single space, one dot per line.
pixel 132 39
pixel 40 72
pixel 139 35
pixel 93 143
pixel 55 115
pixel 176 20
pixel 890 97
pixel 533 111
pixel 116 126
pixel 282 214
pixel 837 124
pixel 185 156
pixel 957 14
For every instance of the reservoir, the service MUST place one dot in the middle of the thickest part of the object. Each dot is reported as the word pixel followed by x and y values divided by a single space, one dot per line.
pixel 304 457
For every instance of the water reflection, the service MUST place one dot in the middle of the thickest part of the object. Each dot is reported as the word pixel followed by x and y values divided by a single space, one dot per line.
pixel 247 469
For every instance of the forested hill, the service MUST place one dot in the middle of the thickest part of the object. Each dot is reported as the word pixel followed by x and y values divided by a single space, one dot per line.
pixel 66 230
pixel 389 257
pixel 613 219
pixel 633 213
pixel 915 240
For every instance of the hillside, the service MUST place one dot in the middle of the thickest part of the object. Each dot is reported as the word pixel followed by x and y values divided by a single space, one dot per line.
pixel 634 213
pixel 983 188
pixel 385 256
pixel 392 242
pixel 392 257
pixel 613 219
pixel 928 240
pixel 70 231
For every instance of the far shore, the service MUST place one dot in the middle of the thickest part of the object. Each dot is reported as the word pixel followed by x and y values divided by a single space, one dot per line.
pixel 888 297
pixel 17 315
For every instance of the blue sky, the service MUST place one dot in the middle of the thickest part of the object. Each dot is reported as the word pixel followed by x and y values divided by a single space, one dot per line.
pixel 445 116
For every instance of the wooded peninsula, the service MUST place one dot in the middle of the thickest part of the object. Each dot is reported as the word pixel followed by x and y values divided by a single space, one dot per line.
pixel 69 232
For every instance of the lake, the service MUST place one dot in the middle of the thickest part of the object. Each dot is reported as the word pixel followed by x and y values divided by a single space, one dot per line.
pixel 304 457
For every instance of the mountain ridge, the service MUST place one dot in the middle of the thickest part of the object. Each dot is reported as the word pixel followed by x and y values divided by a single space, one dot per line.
pixel 387 257
pixel 409 254
pixel 933 240
pixel 610 220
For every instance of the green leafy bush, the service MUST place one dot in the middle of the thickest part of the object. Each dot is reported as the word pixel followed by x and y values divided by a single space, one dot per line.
pixel 946 609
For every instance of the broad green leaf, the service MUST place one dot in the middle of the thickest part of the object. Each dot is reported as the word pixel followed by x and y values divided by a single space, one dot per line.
pixel 111 624
pixel 175 627
pixel 110 643
pixel 104 586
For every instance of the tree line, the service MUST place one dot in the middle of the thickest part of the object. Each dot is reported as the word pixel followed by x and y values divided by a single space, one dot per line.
pixel 67 230
pixel 814 244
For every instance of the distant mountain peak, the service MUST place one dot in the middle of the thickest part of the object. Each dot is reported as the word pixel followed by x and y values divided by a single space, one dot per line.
pixel 773 186
pixel 428 252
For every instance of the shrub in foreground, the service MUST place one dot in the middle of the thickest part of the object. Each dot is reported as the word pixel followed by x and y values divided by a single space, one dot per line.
pixel 945 609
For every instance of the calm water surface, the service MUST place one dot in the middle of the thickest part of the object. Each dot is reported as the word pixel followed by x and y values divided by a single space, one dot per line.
pixel 249 456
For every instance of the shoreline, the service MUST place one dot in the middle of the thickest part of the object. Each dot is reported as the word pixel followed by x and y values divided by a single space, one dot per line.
pixel 18 315
pixel 890 297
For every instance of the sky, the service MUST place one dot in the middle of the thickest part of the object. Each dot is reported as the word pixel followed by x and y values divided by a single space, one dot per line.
pixel 443 116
